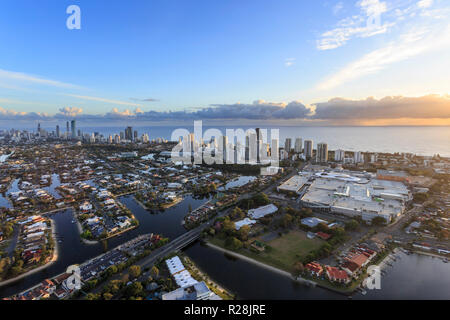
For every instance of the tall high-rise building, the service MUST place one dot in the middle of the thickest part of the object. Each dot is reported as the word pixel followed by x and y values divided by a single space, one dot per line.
pixel 366 157
pixel 73 126
pixel 129 133
pixel 288 145
pixel 357 157
pixel 298 145
pixel 339 155
pixel 258 134
pixel 39 128
pixel 322 152
pixel 191 141
pixel 308 149
pixel 258 145
pixel 374 157
pixel 225 147
pixel 57 131
pixel 251 148
pixel 274 153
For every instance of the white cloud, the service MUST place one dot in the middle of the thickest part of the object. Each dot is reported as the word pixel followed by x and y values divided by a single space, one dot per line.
pixel 71 111
pixel 366 23
pixel 413 43
pixel 425 3
pixel 425 107
pixel 289 62
pixel 104 100
pixel 338 7
pixel 23 77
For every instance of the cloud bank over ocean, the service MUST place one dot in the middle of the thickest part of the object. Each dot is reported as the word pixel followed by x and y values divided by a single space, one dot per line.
pixel 425 107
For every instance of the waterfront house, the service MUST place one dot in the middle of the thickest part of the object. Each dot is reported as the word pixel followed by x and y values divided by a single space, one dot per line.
pixel 336 275
pixel 314 268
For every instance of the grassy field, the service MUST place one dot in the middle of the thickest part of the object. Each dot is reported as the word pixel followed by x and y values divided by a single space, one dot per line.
pixel 291 247
pixel 284 251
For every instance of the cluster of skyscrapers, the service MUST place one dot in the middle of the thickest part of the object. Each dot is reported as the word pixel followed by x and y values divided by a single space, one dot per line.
pixel 72 133
pixel 252 147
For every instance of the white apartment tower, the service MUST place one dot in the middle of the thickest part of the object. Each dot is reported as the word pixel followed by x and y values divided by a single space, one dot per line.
pixel 339 155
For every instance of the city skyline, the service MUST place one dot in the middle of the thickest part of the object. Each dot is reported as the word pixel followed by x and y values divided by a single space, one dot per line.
pixel 330 63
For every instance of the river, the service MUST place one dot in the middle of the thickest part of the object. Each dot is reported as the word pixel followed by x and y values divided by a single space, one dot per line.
pixel 73 251
pixel 411 277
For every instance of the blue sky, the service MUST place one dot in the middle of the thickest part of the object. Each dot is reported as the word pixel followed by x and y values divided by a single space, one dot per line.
pixel 188 55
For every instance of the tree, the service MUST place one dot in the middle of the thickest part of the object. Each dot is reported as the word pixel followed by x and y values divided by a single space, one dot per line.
pixel 4 263
pixel 352 225
pixel 135 289
pixel 243 232
pixel 260 199
pixel 135 271
pixel 233 243
pixel 420 197
pixel 323 227
pixel 306 212
pixel 107 296
pixel 114 286
pixel 287 220
pixel 237 213
pixel 228 227
pixel 111 270
pixel 378 221
pixel 92 296
pixel 298 267
pixel 154 272
pixel 7 230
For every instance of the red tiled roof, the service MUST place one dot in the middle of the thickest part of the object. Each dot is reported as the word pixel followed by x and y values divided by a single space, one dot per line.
pixel 336 274
pixel 323 235
pixel 314 267
pixel 358 259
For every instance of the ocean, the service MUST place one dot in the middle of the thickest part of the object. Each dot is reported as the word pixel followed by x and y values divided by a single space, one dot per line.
pixel 426 141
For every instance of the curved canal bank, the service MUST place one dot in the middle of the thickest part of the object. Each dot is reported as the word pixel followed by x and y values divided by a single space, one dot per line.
pixel 35 270
pixel 410 277
pixel 72 250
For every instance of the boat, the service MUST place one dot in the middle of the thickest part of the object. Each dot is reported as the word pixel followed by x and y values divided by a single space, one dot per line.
pixel 445 260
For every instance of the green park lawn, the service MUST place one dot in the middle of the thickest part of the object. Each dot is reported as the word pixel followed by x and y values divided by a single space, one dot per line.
pixel 290 248
pixel 283 252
